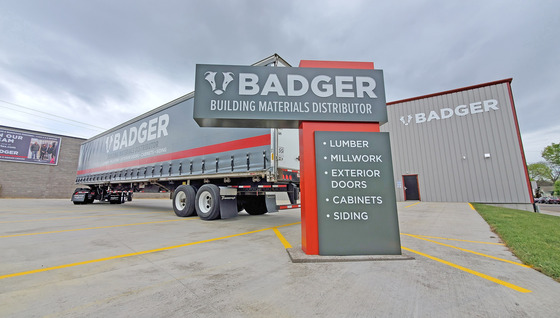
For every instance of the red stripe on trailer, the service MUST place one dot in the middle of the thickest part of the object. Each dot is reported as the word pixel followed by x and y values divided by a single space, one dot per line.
pixel 257 141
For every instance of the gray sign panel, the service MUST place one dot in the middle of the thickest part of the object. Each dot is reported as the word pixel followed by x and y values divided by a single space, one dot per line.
pixel 269 97
pixel 357 211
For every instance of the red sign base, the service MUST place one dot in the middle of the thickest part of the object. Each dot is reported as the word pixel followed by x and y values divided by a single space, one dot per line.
pixel 308 181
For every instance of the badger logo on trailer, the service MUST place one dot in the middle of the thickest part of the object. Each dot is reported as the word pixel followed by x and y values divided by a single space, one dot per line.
pixel 148 130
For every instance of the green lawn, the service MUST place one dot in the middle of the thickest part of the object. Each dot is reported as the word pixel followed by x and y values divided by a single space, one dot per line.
pixel 533 237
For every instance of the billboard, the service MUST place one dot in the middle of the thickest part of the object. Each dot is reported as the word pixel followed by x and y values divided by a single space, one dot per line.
pixel 281 97
pixel 28 147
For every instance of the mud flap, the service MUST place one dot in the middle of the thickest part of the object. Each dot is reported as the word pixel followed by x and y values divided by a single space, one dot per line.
pixel 79 197
pixel 228 202
pixel 270 201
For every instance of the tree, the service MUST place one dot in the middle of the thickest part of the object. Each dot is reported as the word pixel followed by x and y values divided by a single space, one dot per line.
pixel 539 171
pixel 552 156
pixel 557 187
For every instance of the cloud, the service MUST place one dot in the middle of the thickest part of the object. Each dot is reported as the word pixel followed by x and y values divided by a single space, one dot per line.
pixel 104 62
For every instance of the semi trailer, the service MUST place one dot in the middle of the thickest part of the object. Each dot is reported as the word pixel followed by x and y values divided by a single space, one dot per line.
pixel 210 172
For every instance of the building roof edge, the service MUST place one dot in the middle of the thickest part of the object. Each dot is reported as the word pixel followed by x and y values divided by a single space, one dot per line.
pixel 507 80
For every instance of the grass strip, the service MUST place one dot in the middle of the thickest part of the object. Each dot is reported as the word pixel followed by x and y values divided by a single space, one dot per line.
pixel 533 237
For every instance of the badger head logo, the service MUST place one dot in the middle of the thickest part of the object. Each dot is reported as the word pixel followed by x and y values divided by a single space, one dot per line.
pixel 210 77
pixel 108 143
pixel 406 121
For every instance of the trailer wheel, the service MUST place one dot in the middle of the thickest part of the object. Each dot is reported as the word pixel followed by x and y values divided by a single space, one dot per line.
pixel 255 205
pixel 183 200
pixel 208 202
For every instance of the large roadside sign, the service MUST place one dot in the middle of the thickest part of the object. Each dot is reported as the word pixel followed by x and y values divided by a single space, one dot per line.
pixel 348 198
pixel 282 97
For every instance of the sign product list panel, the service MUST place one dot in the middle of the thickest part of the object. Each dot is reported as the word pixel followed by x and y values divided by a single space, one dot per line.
pixel 357 211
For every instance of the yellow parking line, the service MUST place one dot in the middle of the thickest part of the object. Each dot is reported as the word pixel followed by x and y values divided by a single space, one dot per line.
pixel 472 207
pixel 451 239
pixel 282 238
pixel 137 253
pixel 289 224
pixel 469 251
pixel 470 271
pixel 412 205
pixel 93 228
pixel 74 217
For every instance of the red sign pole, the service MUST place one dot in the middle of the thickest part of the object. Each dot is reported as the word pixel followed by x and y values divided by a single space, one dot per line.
pixel 308 183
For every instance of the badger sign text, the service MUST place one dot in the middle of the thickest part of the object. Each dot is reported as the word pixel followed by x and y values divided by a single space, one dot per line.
pixel 256 96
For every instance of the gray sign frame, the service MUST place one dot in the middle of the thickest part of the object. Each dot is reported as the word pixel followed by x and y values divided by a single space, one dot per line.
pixel 282 97
pixel 356 202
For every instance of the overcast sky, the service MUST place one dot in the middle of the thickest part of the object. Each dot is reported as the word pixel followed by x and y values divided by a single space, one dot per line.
pixel 105 62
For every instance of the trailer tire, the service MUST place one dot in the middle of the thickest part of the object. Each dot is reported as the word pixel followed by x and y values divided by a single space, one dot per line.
pixel 207 202
pixel 183 200
pixel 255 205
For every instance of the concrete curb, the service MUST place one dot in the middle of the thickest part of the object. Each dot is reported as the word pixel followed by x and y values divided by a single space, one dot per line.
pixel 298 256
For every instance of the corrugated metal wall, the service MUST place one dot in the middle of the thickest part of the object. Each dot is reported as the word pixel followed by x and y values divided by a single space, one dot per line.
pixel 447 152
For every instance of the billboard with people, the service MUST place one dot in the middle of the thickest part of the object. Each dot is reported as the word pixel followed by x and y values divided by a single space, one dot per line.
pixel 28 147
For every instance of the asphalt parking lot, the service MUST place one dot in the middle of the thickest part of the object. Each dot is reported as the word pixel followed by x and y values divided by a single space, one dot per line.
pixel 140 260
pixel 551 209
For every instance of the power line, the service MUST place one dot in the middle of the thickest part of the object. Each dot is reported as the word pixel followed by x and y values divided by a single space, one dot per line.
pixel 49 128
pixel 39 111
pixel 52 119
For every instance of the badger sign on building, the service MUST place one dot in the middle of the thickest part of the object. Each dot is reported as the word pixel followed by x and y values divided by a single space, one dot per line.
pixel 268 97
pixel 461 145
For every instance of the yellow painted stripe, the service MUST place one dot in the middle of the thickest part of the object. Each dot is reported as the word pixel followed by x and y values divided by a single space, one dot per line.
pixel 470 271
pixel 451 239
pixel 289 224
pixel 472 207
pixel 75 217
pixel 95 228
pixel 136 253
pixel 412 205
pixel 282 238
pixel 470 251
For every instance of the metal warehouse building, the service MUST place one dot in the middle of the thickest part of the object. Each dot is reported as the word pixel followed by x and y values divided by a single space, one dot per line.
pixel 462 145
